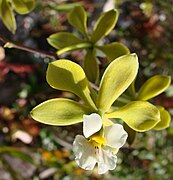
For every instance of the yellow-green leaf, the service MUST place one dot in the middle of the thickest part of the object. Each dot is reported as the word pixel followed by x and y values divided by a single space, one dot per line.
pixel 91 67
pixel 116 79
pixel 23 6
pixel 165 119
pixel 78 19
pixel 153 87
pixel 114 50
pixel 63 39
pixel 69 76
pixel 104 25
pixel 60 112
pixel 138 115
pixel 7 16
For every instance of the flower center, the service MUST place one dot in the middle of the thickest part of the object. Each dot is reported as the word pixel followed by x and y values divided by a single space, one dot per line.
pixel 98 140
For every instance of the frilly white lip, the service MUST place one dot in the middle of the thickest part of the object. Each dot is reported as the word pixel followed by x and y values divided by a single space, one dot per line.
pixel 88 154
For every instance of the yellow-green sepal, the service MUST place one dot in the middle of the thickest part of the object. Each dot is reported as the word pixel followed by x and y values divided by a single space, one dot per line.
pixel 153 87
pixel 65 7
pixel 165 119
pixel 78 19
pixel 23 6
pixel 90 66
pixel 69 76
pixel 104 25
pixel 63 39
pixel 83 45
pixel 59 112
pixel 117 77
pixel 138 115
pixel 114 50
pixel 7 16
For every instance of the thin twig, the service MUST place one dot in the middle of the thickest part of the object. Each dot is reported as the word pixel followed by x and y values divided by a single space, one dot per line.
pixel 9 44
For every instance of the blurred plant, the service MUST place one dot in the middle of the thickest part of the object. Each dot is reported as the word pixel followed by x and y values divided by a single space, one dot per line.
pixel 20 6
pixel 7 153
pixel 66 42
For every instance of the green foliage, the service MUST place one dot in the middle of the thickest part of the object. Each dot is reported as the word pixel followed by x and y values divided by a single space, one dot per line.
pixel 20 6
pixel 105 23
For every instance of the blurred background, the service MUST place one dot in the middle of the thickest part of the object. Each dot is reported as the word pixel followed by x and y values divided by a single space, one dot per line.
pixel 31 150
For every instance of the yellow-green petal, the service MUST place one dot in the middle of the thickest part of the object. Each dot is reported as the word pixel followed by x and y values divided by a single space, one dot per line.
pixel 104 25
pixel 7 16
pixel 91 67
pixel 78 19
pixel 69 76
pixel 116 79
pixel 153 87
pixel 138 115
pixel 165 119
pixel 74 47
pixel 114 50
pixel 63 39
pixel 23 6
pixel 59 112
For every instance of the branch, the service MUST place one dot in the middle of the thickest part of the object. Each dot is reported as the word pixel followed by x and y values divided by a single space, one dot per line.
pixel 9 44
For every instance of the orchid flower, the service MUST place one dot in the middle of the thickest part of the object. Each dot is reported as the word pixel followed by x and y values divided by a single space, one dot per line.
pixel 97 145
pixel 69 76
